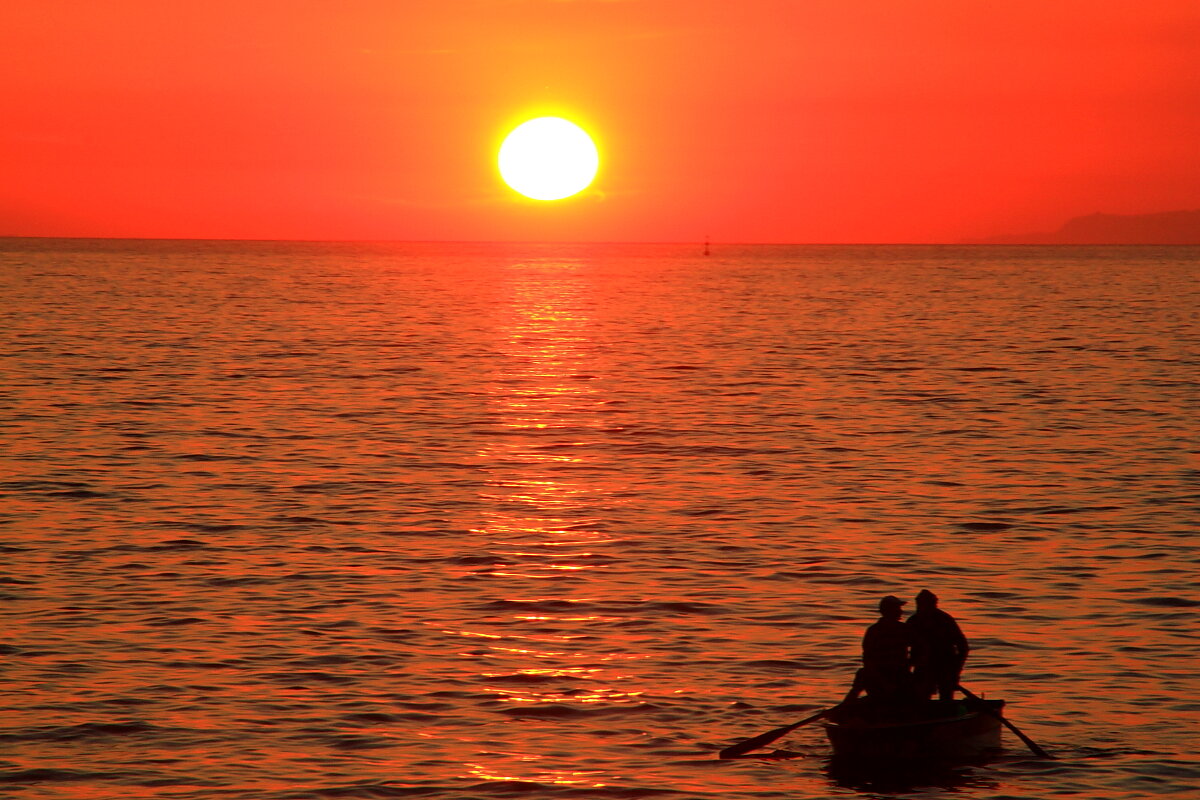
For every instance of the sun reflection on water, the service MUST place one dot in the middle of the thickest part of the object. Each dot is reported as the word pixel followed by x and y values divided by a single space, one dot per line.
pixel 543 519
pixel 543 398
pixel 543 505
pixel 579 778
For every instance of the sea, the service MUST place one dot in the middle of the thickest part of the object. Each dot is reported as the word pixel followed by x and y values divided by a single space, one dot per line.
pixel 328 521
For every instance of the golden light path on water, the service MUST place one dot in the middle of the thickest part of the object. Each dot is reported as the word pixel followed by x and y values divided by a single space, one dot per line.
pixel 540 504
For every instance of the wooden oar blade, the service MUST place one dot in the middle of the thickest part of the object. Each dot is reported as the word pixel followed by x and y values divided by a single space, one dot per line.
pixel 764 739
pixel 1030 743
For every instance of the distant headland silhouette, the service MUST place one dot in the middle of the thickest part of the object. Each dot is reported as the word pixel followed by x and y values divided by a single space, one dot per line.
pixel 1168 227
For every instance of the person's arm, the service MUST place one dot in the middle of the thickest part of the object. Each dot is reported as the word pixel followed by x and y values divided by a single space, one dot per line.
pixel 962 645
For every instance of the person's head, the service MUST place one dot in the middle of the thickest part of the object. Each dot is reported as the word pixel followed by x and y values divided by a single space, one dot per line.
pixel 926 599
pixel 891 607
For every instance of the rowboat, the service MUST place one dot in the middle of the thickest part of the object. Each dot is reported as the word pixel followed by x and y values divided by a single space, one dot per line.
pixel 935 731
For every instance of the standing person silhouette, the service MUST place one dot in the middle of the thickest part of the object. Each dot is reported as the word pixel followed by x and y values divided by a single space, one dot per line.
pixel 939 648
pixel 885 671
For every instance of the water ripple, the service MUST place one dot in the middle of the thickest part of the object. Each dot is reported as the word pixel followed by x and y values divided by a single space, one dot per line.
pixel 324 521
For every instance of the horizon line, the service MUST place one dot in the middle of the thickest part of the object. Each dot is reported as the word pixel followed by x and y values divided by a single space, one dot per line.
pixel 698 242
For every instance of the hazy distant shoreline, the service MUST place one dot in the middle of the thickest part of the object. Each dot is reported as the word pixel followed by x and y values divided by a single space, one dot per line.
pixel 1163 228
pixel 1168 227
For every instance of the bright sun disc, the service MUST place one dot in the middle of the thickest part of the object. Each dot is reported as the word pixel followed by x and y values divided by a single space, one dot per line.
pixel 548 158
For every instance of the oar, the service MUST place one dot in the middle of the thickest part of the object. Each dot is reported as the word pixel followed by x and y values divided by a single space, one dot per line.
pixel 764 739
pixel 1030 743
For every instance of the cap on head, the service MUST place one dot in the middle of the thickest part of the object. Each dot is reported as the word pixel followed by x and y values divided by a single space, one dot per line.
pixel 926 596
pixel 891 601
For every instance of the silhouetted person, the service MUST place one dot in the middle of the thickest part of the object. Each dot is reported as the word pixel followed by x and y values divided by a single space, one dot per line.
pixel 885 671
pixel 939 648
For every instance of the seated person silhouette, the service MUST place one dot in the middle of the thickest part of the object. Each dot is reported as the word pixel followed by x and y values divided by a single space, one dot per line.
pixel 939 648
pixel 885 675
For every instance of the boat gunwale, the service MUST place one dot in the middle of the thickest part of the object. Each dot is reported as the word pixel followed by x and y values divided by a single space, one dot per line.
pixel 862 725
pixel 857 724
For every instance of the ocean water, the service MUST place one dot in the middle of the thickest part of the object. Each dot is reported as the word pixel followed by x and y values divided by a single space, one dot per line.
pixel 298 521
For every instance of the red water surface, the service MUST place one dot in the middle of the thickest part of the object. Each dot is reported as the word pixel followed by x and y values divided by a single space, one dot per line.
pixel 296 521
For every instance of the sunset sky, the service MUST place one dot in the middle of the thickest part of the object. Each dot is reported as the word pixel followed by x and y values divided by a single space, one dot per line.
pixel 752 121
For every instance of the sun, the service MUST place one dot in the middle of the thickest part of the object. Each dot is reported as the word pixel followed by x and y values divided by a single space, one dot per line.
pixel 548 158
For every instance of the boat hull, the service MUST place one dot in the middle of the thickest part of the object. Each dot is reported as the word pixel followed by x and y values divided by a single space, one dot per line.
pixel 941 732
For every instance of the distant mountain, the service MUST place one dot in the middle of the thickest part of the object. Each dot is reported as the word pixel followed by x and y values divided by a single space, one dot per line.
pixel 1168 227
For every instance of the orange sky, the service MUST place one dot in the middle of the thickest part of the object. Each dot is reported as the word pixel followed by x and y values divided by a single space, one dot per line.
pixel 757 120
